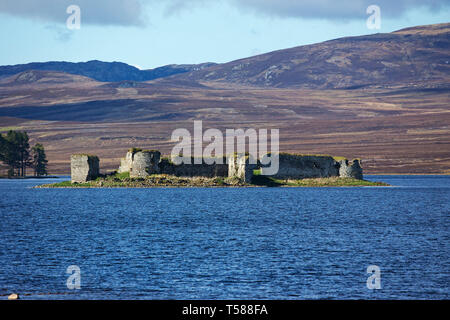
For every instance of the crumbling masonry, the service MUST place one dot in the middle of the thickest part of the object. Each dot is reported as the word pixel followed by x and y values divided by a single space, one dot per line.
pixel 84 167
pixel 142 163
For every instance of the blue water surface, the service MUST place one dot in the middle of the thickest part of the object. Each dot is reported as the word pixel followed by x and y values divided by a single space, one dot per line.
pixel 227 243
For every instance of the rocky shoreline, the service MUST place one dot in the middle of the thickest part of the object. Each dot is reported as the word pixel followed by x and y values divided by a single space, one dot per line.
pixel 168 181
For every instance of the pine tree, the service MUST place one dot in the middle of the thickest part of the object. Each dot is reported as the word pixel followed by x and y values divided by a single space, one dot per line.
pixel 39 162
pixel 15 152
pixel 9 153
pixel 3 146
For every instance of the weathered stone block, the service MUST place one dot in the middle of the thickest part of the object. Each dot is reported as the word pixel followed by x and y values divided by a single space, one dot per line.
pixel 145 163
pixel 241 166
pixel 296 166
pixel 127 162
pixel 84 168
pixel 351 169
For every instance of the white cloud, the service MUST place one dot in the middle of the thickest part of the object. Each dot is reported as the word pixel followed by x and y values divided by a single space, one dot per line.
pixel 100 12
pixel 132 12
pixel 333 9
pixel 325 9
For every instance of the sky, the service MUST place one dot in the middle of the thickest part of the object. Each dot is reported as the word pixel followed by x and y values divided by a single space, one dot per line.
pixel 153 33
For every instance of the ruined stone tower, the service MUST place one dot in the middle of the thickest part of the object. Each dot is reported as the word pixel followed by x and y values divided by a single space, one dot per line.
pixel 350 169
pixel 241 166
pixel 145 163
pixel 84 167
pixel 140 163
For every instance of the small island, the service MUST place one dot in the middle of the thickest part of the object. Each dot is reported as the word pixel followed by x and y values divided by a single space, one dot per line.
pixel 147 169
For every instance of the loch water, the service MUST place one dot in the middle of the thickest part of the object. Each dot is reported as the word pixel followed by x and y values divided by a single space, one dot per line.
pixel 227 243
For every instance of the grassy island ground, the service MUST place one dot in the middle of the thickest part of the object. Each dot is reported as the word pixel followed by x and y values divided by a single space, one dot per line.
pixel 162 180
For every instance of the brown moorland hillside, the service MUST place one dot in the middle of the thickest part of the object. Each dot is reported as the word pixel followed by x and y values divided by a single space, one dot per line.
pixel 395 124
pixel 412 56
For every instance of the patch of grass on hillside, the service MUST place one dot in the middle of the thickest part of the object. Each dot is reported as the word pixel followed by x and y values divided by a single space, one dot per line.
pixel 6 129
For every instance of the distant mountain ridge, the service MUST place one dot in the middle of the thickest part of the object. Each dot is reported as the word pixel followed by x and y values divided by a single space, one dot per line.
pixel 407 57
pixel 103 71
pixel 415 57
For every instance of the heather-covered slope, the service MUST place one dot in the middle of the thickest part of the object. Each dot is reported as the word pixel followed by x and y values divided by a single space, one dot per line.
pixel 418 56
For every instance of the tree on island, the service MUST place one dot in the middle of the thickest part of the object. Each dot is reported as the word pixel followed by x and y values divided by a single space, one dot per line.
pixel 15 152
pixel 8 153
pixel 39 160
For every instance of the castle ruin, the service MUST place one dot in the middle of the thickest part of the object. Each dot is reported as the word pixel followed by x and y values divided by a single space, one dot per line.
pixel 350 169
pixel 142 163
pixel 84 168
pixel 241 166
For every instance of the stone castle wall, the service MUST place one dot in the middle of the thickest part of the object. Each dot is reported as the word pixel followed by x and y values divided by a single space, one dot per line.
pixel 141 164
pixel 145 163
pixel 241 166
pixel 84 168
pixel 194 170
pixel 350 169
pixel 292 166
pixel 125 163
